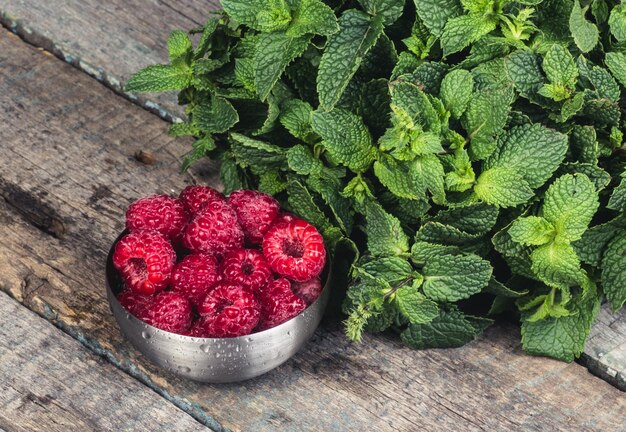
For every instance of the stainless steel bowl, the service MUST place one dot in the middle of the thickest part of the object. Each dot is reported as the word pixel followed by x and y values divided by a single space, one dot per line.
pixel 216 360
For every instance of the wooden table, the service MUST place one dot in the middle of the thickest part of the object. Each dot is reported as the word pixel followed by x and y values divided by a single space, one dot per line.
pixel 67 173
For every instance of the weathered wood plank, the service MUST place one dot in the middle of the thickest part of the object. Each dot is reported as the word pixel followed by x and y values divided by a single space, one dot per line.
pixel 50 382
pixel 109 40
pixel 67 174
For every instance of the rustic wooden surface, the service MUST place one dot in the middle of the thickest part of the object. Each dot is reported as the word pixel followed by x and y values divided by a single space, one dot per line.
pixel 50 382
pixel 67 174
pixel 109 40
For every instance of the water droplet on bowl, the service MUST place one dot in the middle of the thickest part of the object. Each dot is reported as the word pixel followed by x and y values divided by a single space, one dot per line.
pixel 145 335
pixel 217 355
pixel 184 369
pixel 205 347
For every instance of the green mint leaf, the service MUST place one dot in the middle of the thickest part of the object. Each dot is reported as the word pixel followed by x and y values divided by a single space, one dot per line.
pixel 556 264
pixel 496 287
pixel 159 78
pixel 561 338
pixel 556 92
pixel 534 151
pixel 604 83
pixel 427 172
pixel 532 231
pixel 461 31
pixel 428 76
pixel 590 248
pixel 397 177
pixel 456 91
pixel 302 203
pixel 584 144
pixel 602 113
pixel 270 182
pixel 618 197
pixel 597 175
pixel 183 129
pixel 503 187
pixel 617 22
pixel 569 205
pixel 449 330
pixel 329 188
pixel 435 232
pixel 449 278
pixel 560 67
pixel 274 16
pixel 244 73
pixel 301 161
pixel 436 13
pixel 217 117
pixel 390 10
pixel 585 33
pixel 516 255
pixel 346 138
pixel 421 251
pixel 313 16
pixel 616 62
pixel 415 306
pixel 274 52
pixel 614 271
pixel 410 101
pixel 244 11
pixel 205 39
pixel 485 118
pixel 256 154
pixel 600 11
pixel 571 107
pixel 295 116
pixel 384 233
pixel 178 45
pixel 229 174
pixel 344 52
pixel 524 69
pixel 199 149
pixel 375 98
pixel 474 219
pixel 384 271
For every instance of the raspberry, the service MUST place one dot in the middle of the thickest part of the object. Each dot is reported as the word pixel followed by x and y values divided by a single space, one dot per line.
pixel 132 302
pixel 246 267
pixel 255 211
pixel 158 212
pixel 284 217
pixel 194 275
pixel 145 260
pixel 229 310
pixel 279 304
pixel 308 291
pixel 295 250
pixel 168 311
pixel 195 197
pixel 214 230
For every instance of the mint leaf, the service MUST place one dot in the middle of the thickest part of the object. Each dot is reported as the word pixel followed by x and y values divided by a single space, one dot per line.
pixel 604 83
pixel 436 232
pixel 344 52
pixel 421 251
pixel 502 187
pixel 384 271
pixel 301 202
pixel 328 187
pixel 449 330
pixel 474 219
pixel 301 160
pixel 409 100
pixel 455 277
pixel 255 153
pixel 295 116
pixel 456 91
pixel 313 16
pixel 390 10
pixel 274 51
pixel 532 231
pixel 415 306
pixel 384 234
pixel 569 205
pixel 561 338
pixel 178 45
pixel 397 177
pixel 274 16
pixel 590 248
pixel 436 13
pixel 216 117
pixel 461 31
pixel 346 138
pixel 585 33
pixel 524 69
pixel 614 271
pixel 159 78
pixel 559 66
pixel 534 151
pixel 617 22
pixel 244 11
pixel 556 264
pixel 618 197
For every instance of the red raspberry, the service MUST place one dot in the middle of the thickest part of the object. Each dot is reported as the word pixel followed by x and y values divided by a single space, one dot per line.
pixel 194 275
pixel 158 212
pixel 284 217
pixel 308 291
pixel 145 260
pixel 214 230
pixel 132 302
pixel 195 197
pixel 168 311
pixel 229 310
pixel 246 267
pixel 295 250
pixel 279 304
pixel 256 211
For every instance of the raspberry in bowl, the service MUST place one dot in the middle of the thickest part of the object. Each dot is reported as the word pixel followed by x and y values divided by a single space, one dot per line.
pixel 214 297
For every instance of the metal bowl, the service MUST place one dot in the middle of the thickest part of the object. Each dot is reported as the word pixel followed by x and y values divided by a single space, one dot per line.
pixel 214 360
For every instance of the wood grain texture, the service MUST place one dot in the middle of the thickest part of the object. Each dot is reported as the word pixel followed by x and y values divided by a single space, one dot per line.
pixel 67 174
pixel 50 382
pixel 109 40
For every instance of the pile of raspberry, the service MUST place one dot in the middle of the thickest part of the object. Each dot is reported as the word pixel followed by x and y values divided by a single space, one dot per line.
pixel 204 265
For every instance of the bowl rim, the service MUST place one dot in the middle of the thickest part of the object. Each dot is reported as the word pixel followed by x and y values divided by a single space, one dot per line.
pixel 112 297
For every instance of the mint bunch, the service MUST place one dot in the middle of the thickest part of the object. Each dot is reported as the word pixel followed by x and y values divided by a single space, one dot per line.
pixel 470 151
